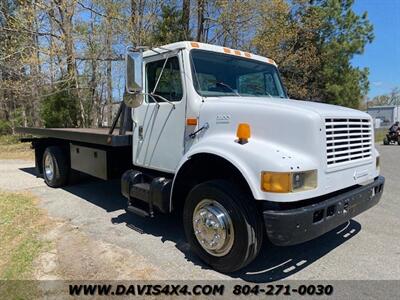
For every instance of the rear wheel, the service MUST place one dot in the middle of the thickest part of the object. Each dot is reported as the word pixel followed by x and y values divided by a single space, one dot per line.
pixel 55 167
pixel 222 225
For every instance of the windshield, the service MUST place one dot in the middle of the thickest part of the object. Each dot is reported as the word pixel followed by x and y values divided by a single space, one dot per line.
pixel 217 74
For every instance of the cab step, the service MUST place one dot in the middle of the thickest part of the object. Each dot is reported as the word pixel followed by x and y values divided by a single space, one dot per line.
pixel 140 191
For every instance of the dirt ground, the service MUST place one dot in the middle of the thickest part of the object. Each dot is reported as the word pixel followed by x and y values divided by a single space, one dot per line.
pixel 75 256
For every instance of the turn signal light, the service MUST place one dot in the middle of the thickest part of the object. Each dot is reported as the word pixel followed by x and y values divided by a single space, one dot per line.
pixel 288 182
pixel 275 182
pixel 243 133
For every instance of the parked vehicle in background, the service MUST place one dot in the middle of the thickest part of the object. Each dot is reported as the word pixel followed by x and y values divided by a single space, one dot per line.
pixel 393 135
pixel 210 131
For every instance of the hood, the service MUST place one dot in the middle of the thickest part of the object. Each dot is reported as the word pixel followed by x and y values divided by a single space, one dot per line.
pixel 322 109
pixel 298 126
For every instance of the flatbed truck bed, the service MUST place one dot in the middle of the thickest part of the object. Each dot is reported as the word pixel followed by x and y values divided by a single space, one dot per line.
pixel 100 152
pixel 96 136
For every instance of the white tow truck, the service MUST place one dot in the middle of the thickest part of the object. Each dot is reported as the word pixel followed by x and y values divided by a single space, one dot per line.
pixel 209 131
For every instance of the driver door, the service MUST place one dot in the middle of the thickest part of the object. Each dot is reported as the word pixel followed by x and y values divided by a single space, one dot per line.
pixel 158 128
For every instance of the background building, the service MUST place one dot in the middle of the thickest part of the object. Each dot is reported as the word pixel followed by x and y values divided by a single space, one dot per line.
pixel 385 115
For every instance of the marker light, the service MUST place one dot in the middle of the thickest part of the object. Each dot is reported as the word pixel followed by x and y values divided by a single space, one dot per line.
pixel 195 45
pixel 243 133
pixel 191 121
pixel 271 61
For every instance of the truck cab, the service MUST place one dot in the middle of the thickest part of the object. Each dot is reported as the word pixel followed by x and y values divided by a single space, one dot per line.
pixel 223 119
pixel 215 137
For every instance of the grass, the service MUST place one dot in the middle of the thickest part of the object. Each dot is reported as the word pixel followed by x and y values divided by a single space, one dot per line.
pixel 21 223
pixel 12 148
pixel 380 133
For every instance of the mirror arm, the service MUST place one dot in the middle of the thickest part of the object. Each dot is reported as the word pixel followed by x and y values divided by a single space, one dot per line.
pixel 162 98
pixel 154 99
pixel 153 96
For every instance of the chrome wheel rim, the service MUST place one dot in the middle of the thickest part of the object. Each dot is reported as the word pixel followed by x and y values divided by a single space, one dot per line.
pixel 213 227
pixel 49 167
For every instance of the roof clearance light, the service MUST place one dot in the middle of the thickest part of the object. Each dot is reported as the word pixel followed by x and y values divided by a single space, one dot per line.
pixel 247 54
pixel 243 133
pixel 237 52
pixel 194 45
pixel 227 50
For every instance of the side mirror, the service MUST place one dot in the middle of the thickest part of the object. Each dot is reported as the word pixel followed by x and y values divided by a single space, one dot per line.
pixel 133 100
pixel 134 69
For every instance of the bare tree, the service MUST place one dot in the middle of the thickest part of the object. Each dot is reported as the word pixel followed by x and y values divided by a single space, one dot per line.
pixel 186 17
pixel 201 5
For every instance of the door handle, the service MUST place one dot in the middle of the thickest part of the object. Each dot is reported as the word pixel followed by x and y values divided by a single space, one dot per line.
pixel 140 133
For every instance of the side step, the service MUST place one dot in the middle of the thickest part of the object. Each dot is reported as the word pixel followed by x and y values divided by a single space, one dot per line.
pixel 145 192
pixel 138 211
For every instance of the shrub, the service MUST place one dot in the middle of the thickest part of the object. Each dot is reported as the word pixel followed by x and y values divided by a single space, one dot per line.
pixel 5 127
pixel 59 110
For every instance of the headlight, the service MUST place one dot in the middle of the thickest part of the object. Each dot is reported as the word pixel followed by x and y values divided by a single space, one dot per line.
pixel 287 182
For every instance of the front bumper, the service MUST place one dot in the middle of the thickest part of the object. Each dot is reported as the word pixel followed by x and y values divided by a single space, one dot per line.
pixel 294 226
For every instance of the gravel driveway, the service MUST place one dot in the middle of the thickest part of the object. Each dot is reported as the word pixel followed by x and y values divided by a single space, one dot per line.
pixel 96 238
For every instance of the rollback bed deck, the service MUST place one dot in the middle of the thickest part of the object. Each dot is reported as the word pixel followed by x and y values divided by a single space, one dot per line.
pixel 96 136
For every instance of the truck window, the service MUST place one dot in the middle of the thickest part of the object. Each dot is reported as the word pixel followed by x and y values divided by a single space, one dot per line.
pixel 258 83
pixel 217 74
pixel 170 85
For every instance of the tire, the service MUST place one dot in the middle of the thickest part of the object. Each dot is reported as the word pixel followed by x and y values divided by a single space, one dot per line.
pixel 385 141
pixel 54 159
pixel 248 226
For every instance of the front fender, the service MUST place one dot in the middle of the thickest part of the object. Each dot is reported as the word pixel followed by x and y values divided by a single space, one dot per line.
pixel 251 159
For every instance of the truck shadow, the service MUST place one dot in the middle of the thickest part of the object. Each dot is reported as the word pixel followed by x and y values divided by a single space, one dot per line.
pixel 273 263
pixel 276 263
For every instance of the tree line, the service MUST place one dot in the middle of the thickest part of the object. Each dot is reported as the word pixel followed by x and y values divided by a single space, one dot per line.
pixel 61 61
pixel 391 98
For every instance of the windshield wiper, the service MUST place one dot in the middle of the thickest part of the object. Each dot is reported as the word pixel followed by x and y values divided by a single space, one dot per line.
pixel 228 87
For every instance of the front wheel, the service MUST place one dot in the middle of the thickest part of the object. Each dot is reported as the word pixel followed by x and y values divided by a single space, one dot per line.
pixel 222 225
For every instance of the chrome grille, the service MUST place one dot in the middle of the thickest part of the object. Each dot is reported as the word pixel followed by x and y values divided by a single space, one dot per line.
pixel 347 140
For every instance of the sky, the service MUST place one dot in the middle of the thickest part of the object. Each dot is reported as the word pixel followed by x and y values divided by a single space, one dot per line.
pixel 382 56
